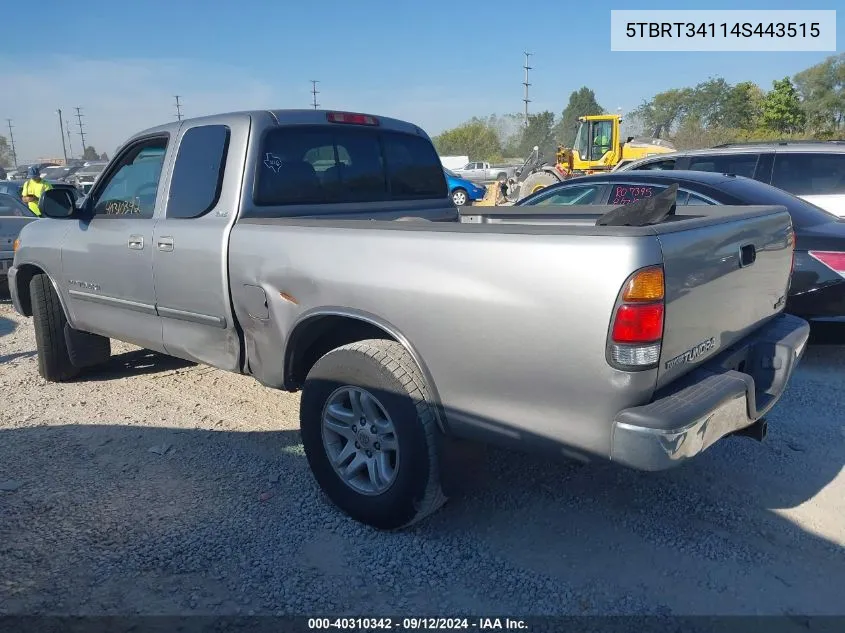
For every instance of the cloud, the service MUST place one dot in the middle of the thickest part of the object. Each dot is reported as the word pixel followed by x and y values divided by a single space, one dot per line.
pixel 120 97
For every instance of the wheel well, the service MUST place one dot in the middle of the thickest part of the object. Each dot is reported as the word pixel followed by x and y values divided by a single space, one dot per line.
pixel 24 275
pixel 319 335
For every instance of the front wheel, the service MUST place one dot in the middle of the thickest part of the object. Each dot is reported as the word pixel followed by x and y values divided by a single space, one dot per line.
pixel 48 319
pixel 535 182
pixel 370 434
pixel 459 197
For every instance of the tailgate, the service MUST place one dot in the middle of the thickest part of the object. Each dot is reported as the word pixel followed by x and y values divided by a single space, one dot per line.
pixel 722 282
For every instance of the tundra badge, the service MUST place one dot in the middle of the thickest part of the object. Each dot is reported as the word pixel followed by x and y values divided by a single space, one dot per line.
pixel 692 354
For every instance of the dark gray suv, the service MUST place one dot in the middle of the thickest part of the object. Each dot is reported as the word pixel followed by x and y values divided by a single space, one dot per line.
pixel 814 171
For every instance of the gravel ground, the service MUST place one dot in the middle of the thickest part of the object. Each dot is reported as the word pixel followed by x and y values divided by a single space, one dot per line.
pixel 160 487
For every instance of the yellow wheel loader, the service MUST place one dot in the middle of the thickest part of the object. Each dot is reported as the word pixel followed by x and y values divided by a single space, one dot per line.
pixel 598 148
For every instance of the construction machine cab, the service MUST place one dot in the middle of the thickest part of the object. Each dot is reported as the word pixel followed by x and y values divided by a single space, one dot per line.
pixel 599 147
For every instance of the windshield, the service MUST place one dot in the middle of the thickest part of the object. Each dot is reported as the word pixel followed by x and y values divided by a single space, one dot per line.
pixel 91 170
pixel 803 213
pixel 53 172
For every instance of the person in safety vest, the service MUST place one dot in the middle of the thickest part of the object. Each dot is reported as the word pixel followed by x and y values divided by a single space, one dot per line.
pixel 33 188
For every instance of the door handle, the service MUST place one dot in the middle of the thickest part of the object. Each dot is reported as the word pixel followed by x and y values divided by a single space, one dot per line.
pixel 136 242
pixel 165 244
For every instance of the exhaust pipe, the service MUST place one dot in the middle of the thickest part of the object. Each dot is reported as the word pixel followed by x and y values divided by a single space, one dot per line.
pixel 757 431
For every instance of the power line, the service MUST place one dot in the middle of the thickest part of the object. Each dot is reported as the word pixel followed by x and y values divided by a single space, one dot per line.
pixel 525 83
pixel 178 109
pixel 81 131
pixel 12 142
pixel 314 92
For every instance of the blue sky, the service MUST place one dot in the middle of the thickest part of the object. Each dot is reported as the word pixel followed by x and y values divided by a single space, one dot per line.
pixel 436 63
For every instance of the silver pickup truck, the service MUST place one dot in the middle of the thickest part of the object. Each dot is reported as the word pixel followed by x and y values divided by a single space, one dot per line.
pixel 485 172
pixel 405 322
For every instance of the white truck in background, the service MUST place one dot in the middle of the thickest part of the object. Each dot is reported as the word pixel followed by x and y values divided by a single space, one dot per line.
pixel 454 162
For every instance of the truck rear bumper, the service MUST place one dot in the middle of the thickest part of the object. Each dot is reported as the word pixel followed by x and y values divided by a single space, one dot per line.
pixel 727 394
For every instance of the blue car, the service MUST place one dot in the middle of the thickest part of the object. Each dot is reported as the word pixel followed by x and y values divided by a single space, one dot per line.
pixel 462 190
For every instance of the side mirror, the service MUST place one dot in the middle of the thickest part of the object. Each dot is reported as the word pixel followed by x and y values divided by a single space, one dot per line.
pixel 57 203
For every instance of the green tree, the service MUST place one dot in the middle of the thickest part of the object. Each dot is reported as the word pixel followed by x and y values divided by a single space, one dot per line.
pixel 664 111
pixel 707 102
pixel 743 106
pixel 104 156
pixel 582 102
pixel 539 132
pixel 5 153
pixel 90 153
pixel 475 138
pixel 782 110
pixel 822 90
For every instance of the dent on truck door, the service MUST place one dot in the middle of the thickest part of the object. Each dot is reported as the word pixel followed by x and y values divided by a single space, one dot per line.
pixel 190 243
pixel 107 259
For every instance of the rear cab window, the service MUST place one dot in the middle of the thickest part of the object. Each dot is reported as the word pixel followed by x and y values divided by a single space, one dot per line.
pixel 809 174
pixel 334 164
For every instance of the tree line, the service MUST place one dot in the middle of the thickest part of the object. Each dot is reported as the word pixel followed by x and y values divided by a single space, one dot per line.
pixel 809 105
pixel 6 153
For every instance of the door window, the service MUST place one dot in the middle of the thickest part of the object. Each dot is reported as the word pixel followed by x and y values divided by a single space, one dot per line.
pixel 601 138
pixel 737 164
pixel 810 174
pixel 131 189
pixel 578 194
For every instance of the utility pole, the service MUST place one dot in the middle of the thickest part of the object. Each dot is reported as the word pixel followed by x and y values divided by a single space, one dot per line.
pixel 178 109
pixel 12 142
pixel 62 132
pixel 69 144
pixel 314 92
pixel 525 83
pixel 81 132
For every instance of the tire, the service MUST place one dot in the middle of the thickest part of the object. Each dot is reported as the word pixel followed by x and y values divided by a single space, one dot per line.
pixel 384 370
pixel 460 197
pixel 49 321
pixel 535 182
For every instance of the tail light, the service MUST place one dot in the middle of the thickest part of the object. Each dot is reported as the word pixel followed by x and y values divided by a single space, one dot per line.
pixel 636 332
pixel 352 117
pixel 832 259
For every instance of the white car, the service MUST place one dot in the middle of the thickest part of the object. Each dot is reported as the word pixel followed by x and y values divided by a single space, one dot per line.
pixel 814 171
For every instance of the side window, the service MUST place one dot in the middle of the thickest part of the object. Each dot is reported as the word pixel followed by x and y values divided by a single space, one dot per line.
pixel 810 174
pixel 627 193
pixel 198 171
pixel 668 164
pixel 132 189
pixel 579 194
pixel 694 200
pixel 737 164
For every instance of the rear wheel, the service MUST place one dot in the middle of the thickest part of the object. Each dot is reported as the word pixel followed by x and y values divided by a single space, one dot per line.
pixel 535 182
pixel 370 434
